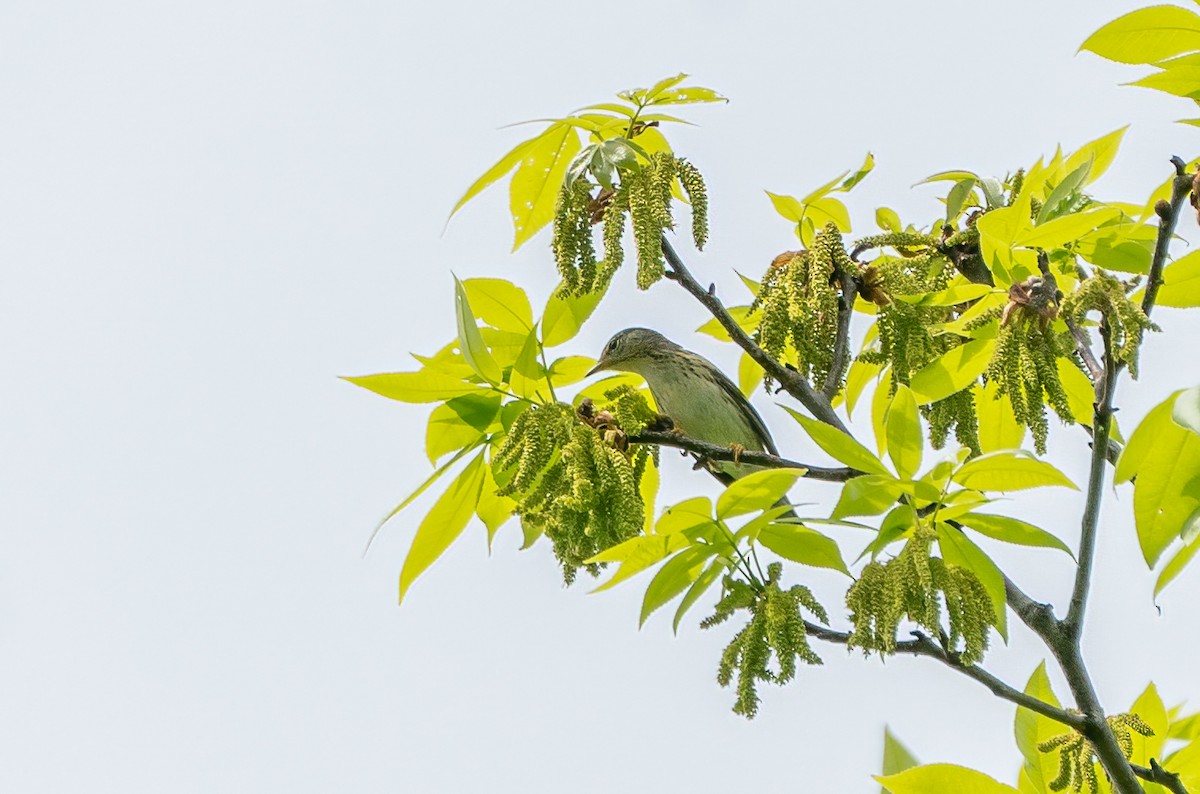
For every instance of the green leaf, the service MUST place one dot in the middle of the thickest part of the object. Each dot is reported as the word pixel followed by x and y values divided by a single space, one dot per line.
pixel 826 210
pixel 740 314
pixel 888 220
pixel 954 371
pixel 1067 229
pixel 1147 35
pixel 493 510
pixel 527 378
pixel 1012 530
pixel 904 438
pixel 415 387
pixel 685 515
pixel 1175 566
pixel 673 578
pixel 1100 153
pixel 1165 458
pixel 444 523
pixel 787 206
pixel 947 297
pixel 458 422
pixel 1081 394
pixel 1009 471
pixel 1127 247
pixel 1031 729
pixel 1059 198
pixel 757 491
pixel 688 96
pixel 563 317
pixel 534 189
pixel 698 588
pixel 637 554
pixel 998 426
pixel 824 189
pixel 800 544
pixel 859 175
pixel 958 196
pixel 470 340
pixel 839 445
pixel 860 374
pixel 1181 283
pixel 569 370
pixel 648 490
pixel 750 374
pixel 868 496
pixel 1186 411
pixel 505 164
pixel 1149 706
pixel 957 549
pixel 499 303
pixel 942 779
pixel 896 757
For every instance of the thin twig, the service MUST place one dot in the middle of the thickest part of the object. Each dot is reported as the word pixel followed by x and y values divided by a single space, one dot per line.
pixel 750 457
pixel 790 380
pixel 1156 774
pixel 1180 188
pixel 924 646
pixel 1085 350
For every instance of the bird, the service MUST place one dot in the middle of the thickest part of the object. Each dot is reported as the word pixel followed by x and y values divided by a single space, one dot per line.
pixel 700 400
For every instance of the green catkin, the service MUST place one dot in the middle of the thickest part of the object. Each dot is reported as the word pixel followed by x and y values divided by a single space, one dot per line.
pixel 1024 367
pixel 913 586
pixel 1127 322
pixel 1077 759
pixel 571 484
pixel 776 629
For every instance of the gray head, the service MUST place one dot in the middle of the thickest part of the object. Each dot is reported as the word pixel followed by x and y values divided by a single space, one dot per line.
pixel 631 349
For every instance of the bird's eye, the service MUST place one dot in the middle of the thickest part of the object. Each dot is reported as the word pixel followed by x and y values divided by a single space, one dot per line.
pixel 612 346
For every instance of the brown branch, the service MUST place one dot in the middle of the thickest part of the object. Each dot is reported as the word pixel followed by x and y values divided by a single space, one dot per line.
pixel 1085 350
pixel 790 380
pixel 1168 217
pixel 708 451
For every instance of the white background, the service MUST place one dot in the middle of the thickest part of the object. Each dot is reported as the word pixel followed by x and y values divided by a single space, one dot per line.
pixel 208 211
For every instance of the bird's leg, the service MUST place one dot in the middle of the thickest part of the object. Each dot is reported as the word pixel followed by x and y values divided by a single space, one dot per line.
pixel 737 450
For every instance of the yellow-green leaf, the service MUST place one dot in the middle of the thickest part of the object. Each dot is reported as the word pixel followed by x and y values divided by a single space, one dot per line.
pixel 1067 229
pixel 740 315
pixel 458 422
pixel 414 387
pixel 1009 471
pixel 1012 530
pixel 787 206
pixel 1181 283
pixel 800 544
pixel 673 578
pixel 499 303
pixel 942 779
pixel 1031 729
pixel 839 445
pixel 444 523
pixel 637 554
pixel 1127 247
pixel 750 374
pixel 493 510
pixel 563 317
pixel 1081 394
pixel 505 164
pixel 827 209
pixel 470 340
pixel 569 370
pixel 1186 411
pixel 528 378
pixel 998 426
pixel 860 374
pixel 905 441
pixel 1100 152
pixel 869 495
pixel 1175 565
pixel 1149 706
pixel 685 515
pixel 704 581
pixel 1147 35
pixel 954 371
pixel 533 192
pixel 757 491
pixel 896 757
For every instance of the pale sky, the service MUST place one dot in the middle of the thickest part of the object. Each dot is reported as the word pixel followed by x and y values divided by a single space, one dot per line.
pixel 209 211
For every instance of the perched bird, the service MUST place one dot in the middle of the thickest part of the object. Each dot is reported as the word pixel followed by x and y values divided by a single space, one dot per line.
pixel 702 403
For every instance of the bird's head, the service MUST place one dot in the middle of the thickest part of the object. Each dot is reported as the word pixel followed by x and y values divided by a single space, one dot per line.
pixel 632 350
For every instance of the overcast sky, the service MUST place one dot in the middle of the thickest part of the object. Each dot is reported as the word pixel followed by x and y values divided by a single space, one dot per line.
pixel 208 211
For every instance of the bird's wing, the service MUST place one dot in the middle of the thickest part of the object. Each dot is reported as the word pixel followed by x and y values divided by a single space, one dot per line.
pixel 748 411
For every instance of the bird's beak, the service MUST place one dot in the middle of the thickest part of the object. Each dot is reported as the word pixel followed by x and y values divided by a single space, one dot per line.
pixel 601 365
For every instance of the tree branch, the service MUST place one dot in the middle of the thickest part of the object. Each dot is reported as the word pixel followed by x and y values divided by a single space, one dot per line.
pixel 1168 217
pixel 1156 774
pixel 790 380
pixel 922 645
pixel 717 452
pixel 841 344
pixel 1085 350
